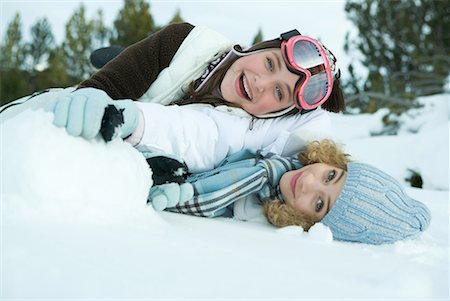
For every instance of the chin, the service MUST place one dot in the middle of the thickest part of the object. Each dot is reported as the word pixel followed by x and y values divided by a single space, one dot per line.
pixel 251 111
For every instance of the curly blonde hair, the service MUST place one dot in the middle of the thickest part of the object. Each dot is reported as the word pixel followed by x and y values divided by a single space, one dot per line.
pixel 323 151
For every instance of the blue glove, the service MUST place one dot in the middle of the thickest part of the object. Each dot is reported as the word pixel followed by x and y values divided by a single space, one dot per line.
pixel 82 111
pixel 169 195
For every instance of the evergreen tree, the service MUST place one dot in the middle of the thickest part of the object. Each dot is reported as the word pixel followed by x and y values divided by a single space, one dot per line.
pixel 55 76
pixel 78 45
pixel 177 17
pixel 101 33
pixel 404 45
pixel 13 80
pixel 258 38
pixel 133 23
pixel 42 41
pixel 12 50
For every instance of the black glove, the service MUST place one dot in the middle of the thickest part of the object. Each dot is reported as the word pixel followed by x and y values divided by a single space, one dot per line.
pixel 168 169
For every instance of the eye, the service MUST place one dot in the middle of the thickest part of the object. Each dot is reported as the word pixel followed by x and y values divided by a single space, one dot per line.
pixel 269 64
pixel 331 175
pixel 319 205
pixel 278 93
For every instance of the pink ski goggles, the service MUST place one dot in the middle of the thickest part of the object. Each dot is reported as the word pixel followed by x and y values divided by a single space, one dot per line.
pixel 310 60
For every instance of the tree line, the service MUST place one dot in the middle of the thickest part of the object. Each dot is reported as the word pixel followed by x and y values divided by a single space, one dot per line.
pixel 32 66
pixel 403 45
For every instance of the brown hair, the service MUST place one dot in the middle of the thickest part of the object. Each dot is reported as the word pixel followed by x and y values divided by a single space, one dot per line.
pixel 324 151
pixel 335 103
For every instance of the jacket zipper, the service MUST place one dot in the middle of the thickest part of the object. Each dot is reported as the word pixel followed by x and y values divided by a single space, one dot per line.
pixel 250 126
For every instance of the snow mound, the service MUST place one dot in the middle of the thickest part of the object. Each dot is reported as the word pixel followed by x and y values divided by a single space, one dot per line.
pixel 97 182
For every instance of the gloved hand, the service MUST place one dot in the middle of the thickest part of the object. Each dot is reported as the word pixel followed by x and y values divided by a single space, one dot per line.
pixel 82 111
pixel 169 195
pixel 166 168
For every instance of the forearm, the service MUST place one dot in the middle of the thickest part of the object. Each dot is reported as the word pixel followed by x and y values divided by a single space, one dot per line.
pixel 180 131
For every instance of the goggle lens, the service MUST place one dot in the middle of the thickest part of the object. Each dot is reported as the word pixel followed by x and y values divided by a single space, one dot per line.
pixel 306 54
pixel 316 89
pixel 305 57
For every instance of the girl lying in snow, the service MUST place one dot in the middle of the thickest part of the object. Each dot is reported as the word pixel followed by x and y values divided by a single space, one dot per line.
pixel 358 202
pixel 267 93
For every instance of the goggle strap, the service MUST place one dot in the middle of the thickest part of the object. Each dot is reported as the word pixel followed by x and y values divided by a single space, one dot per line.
pixel 289 34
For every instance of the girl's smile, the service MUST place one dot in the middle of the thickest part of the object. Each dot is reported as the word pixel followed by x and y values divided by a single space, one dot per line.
pixel 243 87
pixel 294 182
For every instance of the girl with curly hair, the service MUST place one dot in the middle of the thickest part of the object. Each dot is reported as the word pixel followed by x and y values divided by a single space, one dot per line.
pixel 358 202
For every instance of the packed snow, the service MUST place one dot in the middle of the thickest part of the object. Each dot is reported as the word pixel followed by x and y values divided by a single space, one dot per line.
pixel 75 224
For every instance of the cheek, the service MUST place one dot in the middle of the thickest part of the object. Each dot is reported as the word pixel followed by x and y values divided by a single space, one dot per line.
pixel 253 64
pixel 227 84
pixel 263 106
pixel 285 186
pixel 299 206
pixel 266 104
pixel 242 63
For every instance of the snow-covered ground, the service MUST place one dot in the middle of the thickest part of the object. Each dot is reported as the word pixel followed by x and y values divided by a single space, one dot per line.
pixel 74 225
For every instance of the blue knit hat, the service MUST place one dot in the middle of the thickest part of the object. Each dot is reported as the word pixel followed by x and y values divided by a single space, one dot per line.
pixel 373 208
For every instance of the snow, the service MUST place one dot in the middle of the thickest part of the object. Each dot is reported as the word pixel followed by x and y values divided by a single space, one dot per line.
pixel 74 224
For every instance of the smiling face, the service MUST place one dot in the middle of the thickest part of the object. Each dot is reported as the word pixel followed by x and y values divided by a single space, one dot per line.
pixel 259 83
pixel 313 189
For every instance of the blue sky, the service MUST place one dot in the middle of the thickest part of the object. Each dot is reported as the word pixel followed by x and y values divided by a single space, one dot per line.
pixel 238 20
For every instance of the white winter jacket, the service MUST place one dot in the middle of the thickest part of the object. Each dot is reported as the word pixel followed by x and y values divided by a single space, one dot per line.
pixel 201 134
pixel 204 135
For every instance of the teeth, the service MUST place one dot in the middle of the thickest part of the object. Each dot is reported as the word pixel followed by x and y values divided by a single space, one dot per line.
pixel 247 90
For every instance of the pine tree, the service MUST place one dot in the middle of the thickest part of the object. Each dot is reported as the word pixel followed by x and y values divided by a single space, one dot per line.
pixel 259 37
pixel 37 51
pixel 55 75
pixel 177 17
pixel 13 80
pixel 133 23
pixel 42 41
pixel 12 53
pixel 101 33
pixel 78 45
pixel 404 46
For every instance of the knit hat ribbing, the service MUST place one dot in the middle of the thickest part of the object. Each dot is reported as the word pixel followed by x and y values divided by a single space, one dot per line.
pixel 373 208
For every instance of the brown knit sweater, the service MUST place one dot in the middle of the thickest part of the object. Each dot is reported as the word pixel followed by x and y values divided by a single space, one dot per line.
pixel 131 73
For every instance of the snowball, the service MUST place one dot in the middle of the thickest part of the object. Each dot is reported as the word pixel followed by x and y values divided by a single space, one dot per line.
pixel 48 174
pixel 320 232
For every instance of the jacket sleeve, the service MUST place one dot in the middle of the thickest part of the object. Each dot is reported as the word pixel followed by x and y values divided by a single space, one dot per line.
pixel 131 73
pixel 181 131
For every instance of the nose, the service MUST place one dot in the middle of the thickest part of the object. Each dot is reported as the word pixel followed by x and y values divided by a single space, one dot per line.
pixel 309 183
pixel 261 83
